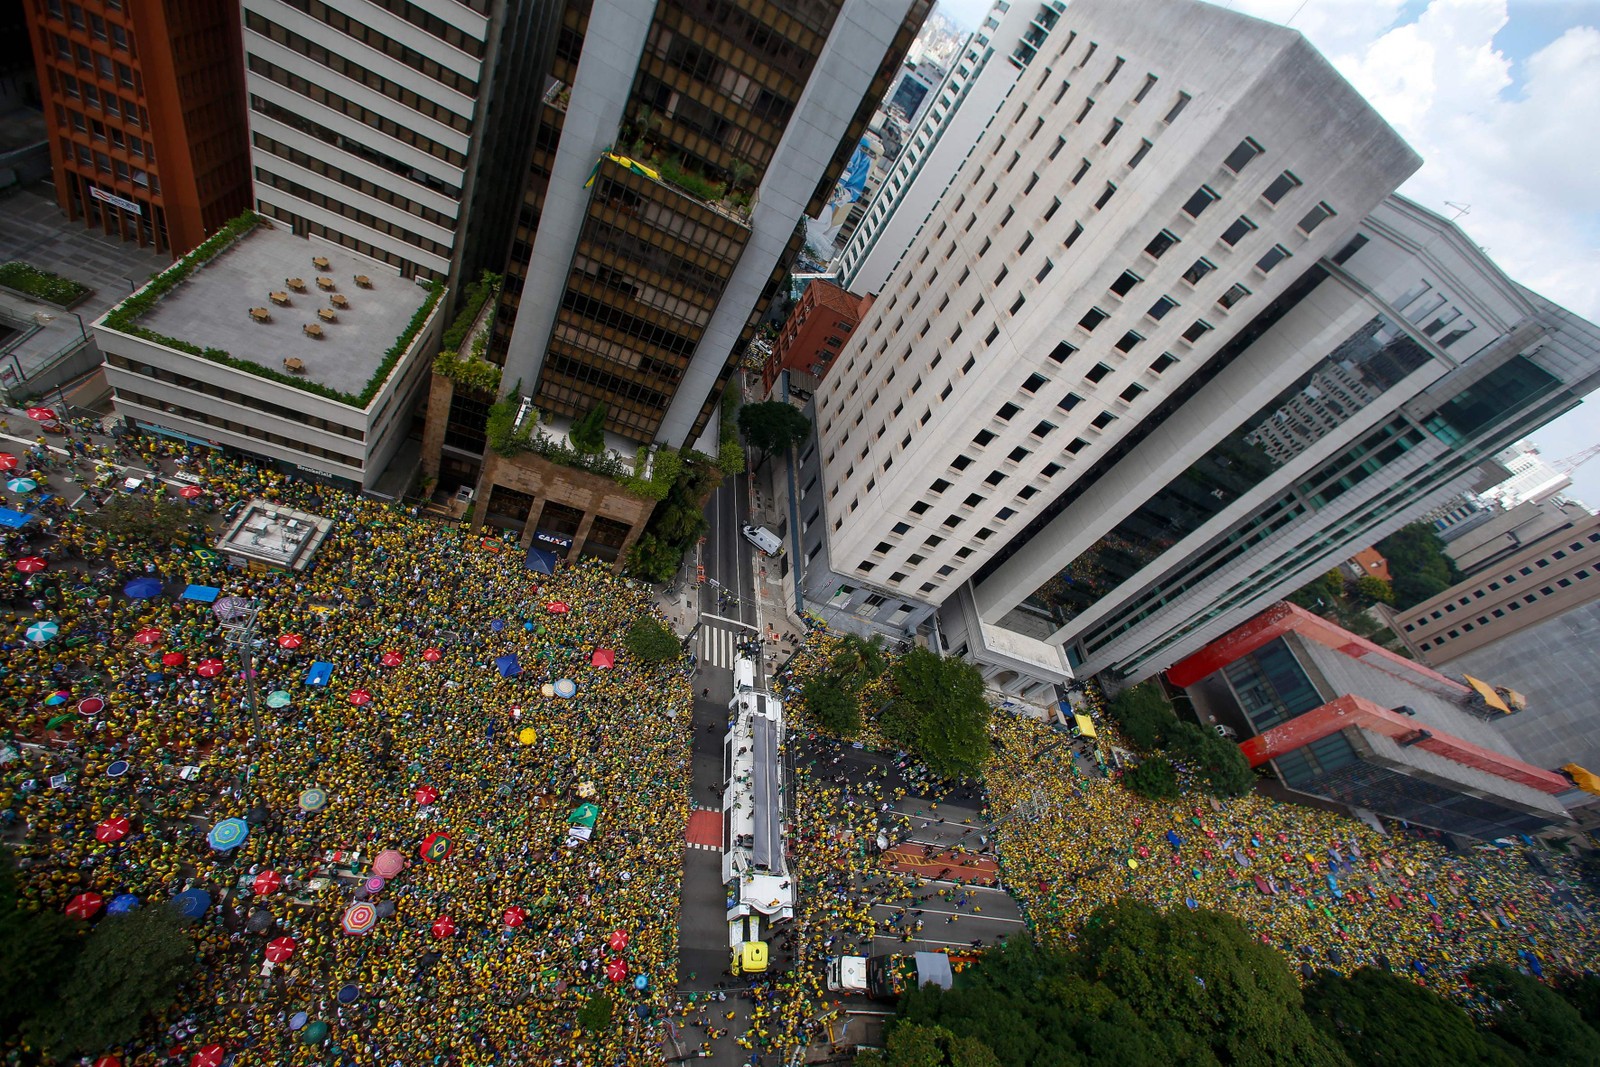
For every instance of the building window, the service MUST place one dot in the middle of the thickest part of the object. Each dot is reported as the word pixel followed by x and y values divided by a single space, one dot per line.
pixel 1144 90
pixel 1116 124
pixel 1235 233
pixel 1070 401
pixel 1246 150
pixel 1035 382
pixel 1160 243
pixel 1315 217
pixel 1200 269
pixel 1280 187
pixel 1061 351
pixel 1126 342
pixel 1177 107
pixel 1138 157
pixel 1106 196
pixel 1162 362
pixel 1077 175
pixel 1042 428
pixel 1007 412
pixel 1097 372
pixel 1275 255
pixel 1159 309
pixel 1017 455
pixel 1235 293
pixel 1196 331
pixel 1043 271
pixel 1092 318
pixel 1203 198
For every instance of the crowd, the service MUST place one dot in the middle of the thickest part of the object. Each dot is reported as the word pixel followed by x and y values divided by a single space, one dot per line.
pixel 415 613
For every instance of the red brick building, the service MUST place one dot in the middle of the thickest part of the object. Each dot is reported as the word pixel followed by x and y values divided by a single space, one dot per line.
pixel 145 102
pixel 815 332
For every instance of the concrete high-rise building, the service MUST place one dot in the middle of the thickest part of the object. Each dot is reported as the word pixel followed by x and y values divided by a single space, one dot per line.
pixel 394 129
pixel 1091 418
pixel 681 143
pixel 1532 479
pixel 145 103
pixel 948 132
pixel 1502 533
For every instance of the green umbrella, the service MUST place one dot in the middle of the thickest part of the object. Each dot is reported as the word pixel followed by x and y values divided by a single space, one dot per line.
pixel 314 1033
pixel 58 720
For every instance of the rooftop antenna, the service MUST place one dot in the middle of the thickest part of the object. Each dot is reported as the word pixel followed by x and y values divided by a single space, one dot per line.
pixel 1461 209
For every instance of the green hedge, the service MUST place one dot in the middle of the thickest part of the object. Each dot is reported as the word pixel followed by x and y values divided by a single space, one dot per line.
pixel 125 316
pixel 51 288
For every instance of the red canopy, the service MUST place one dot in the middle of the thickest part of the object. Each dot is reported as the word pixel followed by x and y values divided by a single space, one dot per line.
pixel 443 926
pixel 113 829
pixel 617 941
pixel 85 905
pixel 174 659
pixel 603 657
pixel 513 916
pixel 432 655
pixel 290 641
pixel 267 882
pixel 392 659
pixel 190 492
pixel 148 636
pixel 360 698
pixel 557 607
pixel 426 794
pixel 41 415
pixel 31 564
pixel 108 1060
pixel 209 668
pixel 616 970
pixel 8 462
pixel 280 949
pixel 210 1056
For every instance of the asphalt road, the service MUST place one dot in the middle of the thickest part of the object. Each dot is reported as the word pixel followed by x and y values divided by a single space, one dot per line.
pixel 729 591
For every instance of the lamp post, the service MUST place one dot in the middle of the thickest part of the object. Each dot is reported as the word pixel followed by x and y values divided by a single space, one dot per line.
pixel 238 617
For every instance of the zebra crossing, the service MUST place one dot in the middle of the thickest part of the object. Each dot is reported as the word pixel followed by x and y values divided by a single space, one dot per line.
pixel 718 644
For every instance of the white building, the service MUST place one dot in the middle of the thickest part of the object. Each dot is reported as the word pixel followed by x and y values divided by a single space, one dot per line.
pixel 1131 207
pixel 1532 479
pixel 955 118
pixel 370 121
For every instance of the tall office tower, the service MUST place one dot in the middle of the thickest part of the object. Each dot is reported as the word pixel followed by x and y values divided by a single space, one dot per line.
pixel 146 108
pixel 1531 477
pixel 394 128
pixel 681 143
pixel 1087 416
pixel 961 106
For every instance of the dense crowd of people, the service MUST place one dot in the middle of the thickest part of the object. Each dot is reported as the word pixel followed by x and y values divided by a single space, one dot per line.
pixel 482 952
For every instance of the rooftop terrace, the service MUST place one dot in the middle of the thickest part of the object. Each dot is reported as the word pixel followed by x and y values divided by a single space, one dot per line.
pixel 212 308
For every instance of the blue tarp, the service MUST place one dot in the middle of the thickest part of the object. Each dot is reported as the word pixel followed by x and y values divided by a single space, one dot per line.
pixel 203 593
pixel 509 667
pixel 540 560
pixel 319 674
pixel 14 519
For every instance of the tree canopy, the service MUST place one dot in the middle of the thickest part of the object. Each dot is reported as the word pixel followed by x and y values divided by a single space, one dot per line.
pixel 1143 714
pixel 1381 1018
pixel 37 950
pixel 834 708
pixel 588 434
pixel 652 642
pixel 939 713
pixel 772 426
pixel 143 515
pixel 1154 779
pixel 1418 567
pixel 1533 1018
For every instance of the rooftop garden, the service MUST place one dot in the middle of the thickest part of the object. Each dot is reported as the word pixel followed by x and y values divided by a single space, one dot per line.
pixel 461 360
pixel 513 427
pixel 730 190
pixel 125 317
pixel 41 284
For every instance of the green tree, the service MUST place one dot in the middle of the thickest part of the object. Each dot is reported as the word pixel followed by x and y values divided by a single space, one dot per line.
pixel 652 642
pixel 588 434
pixel 596 1013
pixel 653 560
pixel 1143 714
pixel 1153 778
pixel 130 967
pixel 1532 1017
pixel 1374 590
pixel 37 949
pixel 1582 991
pixel 145 516
pixel 1418 565
pixel 940 712
pixel 832 706
pixel 1382 1018
pixel 772 426
pixel 1217 761
pixel 858 661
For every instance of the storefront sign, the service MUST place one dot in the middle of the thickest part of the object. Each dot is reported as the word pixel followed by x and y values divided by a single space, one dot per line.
pixel 114 200
pixel 553 539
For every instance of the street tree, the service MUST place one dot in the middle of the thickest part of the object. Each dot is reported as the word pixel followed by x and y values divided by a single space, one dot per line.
pixel 596 1013
pixel 652 642
pixel 131 966
pixel 1218 762
pixel 37 949
pixel 1533 1018
pixel 1381 1018
pixel 1154 779
pixel 859 660
pixel 1143 714
pixel 772 426
pixel 1374 590
pixel 940 713
pixel 1418 566
pixel 143 516
pixel 653 560
pixel 832 706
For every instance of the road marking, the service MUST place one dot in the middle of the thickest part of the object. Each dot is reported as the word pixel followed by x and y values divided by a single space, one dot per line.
pixel 717 647
pixel 730 622
pixel 903 946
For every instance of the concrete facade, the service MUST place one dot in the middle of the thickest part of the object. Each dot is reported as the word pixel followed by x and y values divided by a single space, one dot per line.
pixel 1502 533
pixel 595 496
pixel 950 130
pixel 1549 577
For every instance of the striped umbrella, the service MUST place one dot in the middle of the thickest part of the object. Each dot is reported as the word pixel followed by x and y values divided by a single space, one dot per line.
pixel 389 863
pixel 359 918
pixel 31 564
pixel 392 659
pixel 228 834
pixel 113 829
pixel 443 926
pixel 42 630
pixel 85 905
pixel 22 485
pixel 290 641
pixel 8 462
pixel 432 655
pixel 266 883
pixel 313 799
pixel 360 698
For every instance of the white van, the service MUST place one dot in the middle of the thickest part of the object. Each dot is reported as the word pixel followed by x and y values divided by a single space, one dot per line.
pixel 768 542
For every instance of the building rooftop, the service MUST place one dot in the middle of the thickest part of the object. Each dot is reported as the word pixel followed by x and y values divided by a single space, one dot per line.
pixel 275 535
pixel 212 308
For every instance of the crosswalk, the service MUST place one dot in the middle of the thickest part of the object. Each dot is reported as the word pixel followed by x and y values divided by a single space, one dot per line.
pixel 718 644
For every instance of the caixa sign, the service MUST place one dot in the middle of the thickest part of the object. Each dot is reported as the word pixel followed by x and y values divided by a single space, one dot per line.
pixel 558 540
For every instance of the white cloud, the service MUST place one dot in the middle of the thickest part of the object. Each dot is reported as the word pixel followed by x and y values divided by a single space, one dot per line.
pixel 1527 164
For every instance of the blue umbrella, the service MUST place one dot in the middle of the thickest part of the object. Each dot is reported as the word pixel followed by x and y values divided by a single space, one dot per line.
pixel 497 625
pixel 117 769
pixel 566 687
pixel 42 630
pixel 192 903
pixel 349 993
pixel 122 903
pixel 228 834
pixel 142 588
pixel 1173 839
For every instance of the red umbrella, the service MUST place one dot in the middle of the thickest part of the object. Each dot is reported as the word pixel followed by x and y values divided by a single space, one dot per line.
pixel 41 415
pixel 556 607
pixel 513 916
pixel 113 829
pixel 209 668
pixel 173 659
pixel 108 1060
pixel 617 941
pixel 291 641
pixel 426 794
pixel 267 882
pixel 210 1056
pixel 443 926
pixel 190 492
pixel 8 462
pixel 616 970
pixel 85 905
pixel 31 564
pixel 360 698
pixel 280 949
pixel 603 657
pixel 148 636
pixel 432 655
pixel 392 659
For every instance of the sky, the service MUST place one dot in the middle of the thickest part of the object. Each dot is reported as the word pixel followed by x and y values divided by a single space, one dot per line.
pixel 1501 98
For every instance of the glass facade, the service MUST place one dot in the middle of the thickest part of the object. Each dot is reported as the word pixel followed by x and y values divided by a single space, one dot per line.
pixel 1271 686
pixel 1371 361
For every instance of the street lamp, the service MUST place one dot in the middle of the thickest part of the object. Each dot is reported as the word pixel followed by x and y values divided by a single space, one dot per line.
pixel 238 617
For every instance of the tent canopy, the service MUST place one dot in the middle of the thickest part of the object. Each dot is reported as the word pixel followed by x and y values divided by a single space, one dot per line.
pixel 1085 726
pixel 321 673
pixel 509 667
pixel 540 560
pixel 1486 691
pixel 203 593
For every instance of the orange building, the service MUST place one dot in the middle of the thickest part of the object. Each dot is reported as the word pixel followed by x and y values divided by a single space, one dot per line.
pixel 815 332
pixel 145 101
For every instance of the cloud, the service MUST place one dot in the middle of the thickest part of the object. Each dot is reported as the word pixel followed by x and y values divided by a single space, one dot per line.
pixel 1526 164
